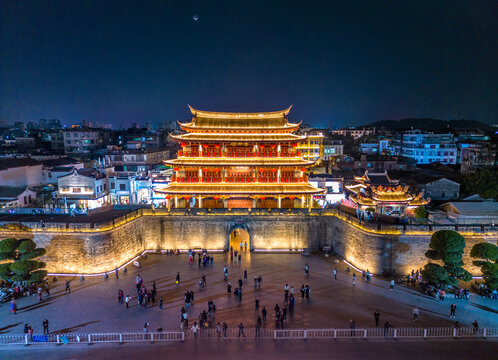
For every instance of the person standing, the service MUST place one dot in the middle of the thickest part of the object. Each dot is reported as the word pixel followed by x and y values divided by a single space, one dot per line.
pixel 255 281
pixel 256 305
pixel 352 326
pixel 335 273
pixel 177 279
pixel 68 288
pixel 45 327
pixel 260 279
pixel 229 290
pixel 225 329
pixel 286 292
pixel 241 330
pixel 245 275
pixel 160 303
pixel 263 312
pixel 391 285
pixel 452 310
pixel 377 317
pixel 415 313
pixel 127 300
pixel 195 329
pixel 258 327
pixel 218 329
pixel 475 325
pixel 354 279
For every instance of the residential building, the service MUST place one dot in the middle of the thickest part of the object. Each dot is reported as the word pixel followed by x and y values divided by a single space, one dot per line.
pixel 84 188
pixel 353 132
pixel 435 188
pixel 333 189
pixel 136 160
pixel 427 148
pixel 375 148
pixel 23 171
pixel 479 212
pixel 126 190
pixel 85 141
pixel 331 149
pixel 312 147
pixel 16 196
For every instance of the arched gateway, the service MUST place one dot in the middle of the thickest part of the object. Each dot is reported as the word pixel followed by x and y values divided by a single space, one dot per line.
pixel 237 234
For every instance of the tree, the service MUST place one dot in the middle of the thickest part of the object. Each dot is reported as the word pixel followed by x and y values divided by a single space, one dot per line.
pixel 437 275
pixel 21 264
pixel 420 212
pixel 488 253
pixel 447 246
pixel 483 182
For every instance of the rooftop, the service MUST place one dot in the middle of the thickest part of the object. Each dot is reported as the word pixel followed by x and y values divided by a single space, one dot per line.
pixel 11 191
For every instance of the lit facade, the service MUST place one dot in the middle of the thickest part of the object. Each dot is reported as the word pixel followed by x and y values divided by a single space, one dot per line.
pixel 377 191
pixel 312 147
pixel 239 160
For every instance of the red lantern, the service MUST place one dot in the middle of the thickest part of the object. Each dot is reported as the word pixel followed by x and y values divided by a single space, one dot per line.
pixel 217 145
pixel 273 170
pixel 262 197
pixel 273 145
pixel 261 146
pixel 183 144
pixel 216 197
pixel 292 197
pixel 294 145
pixel 168 197
pixel 216 170
pixel 176 169
pixel 205 170
pixel 261 170
pixel 187 197
pixel 303 169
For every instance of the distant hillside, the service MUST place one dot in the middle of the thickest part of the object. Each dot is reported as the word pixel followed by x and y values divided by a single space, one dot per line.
pixel 430 124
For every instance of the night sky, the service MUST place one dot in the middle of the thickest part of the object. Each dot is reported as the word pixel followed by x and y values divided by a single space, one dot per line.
pixel 344 62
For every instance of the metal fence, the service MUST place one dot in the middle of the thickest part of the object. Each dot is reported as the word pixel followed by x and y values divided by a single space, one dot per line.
pixel 275 334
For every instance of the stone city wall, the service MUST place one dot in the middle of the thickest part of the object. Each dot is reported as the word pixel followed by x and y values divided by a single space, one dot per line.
pixel 92 250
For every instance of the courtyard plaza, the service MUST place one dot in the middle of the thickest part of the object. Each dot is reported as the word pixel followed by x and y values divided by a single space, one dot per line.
pixel 92 305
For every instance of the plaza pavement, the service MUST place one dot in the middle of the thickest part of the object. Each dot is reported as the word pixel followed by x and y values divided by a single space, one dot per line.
pixel 92 305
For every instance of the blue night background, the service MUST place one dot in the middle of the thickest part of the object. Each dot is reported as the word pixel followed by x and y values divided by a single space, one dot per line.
pixel 338 62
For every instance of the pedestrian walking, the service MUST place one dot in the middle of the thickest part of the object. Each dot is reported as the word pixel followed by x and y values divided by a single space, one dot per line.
pixel 307 291
pixel 68 288
pixel 260 279
pixel 241 330
pixel 160 303
pixel 177 279
pixel 117 273
pixel 452 310
pixel 354 279
pixel 127 300
pixel 415 312
pixel 229 290
pixel 377 317
pixel 335 273
pixel 256 305
pixel 146 327
pixel 258 329
pixel 387 326
pixel 45 327
pixel 286 292
pixel 391 285
pixel 302 292
pixel 263 312
pixel 255 281
pixel 245 275
pixel 218 329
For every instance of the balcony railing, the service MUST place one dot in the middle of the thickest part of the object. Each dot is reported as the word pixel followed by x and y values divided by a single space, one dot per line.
pixel 228 154
pixel 237 179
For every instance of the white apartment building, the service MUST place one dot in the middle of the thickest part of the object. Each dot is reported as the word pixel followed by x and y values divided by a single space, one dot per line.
pixel 427 148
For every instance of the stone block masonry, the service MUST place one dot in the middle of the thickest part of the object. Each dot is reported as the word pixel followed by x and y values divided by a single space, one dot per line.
pixel 91 250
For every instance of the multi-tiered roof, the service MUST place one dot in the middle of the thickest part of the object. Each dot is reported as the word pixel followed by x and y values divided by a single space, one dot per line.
pixel 223 143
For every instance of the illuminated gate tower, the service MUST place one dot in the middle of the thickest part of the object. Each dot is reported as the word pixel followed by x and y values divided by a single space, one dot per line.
pixel 239 160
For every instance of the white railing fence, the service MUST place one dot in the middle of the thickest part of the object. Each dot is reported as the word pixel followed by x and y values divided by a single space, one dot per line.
pixel 275 334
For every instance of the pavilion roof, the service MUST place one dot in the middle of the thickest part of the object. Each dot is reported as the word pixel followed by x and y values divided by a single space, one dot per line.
pixel 230 161
pixel 230 120
pixel 239 189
